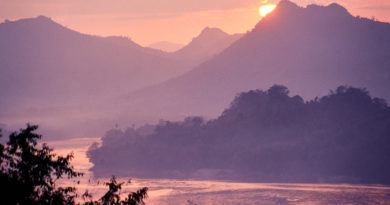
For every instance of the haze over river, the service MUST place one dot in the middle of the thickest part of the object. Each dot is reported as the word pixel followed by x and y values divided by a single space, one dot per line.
pixel 168 191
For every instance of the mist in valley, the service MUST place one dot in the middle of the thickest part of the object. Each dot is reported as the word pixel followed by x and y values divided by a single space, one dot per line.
pixel 293 111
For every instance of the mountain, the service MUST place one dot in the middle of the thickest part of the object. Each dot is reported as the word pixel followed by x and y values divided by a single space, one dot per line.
pixel 166 46
pixel 48 71
pixel 210 42
pixel 55 76
pixel 310 50
pixel 40 58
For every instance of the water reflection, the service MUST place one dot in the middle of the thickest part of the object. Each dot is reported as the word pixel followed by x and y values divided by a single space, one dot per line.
pixel 168 191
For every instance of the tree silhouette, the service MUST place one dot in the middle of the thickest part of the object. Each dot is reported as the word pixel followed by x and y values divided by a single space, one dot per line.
pixel 265 135
pixel 112 196
pixel 29 172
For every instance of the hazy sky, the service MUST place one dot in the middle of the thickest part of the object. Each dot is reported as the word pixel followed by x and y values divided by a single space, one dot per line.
pixel 148 21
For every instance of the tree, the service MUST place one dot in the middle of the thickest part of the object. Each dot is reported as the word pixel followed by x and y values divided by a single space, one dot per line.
pixel 29 172
pixel 113 198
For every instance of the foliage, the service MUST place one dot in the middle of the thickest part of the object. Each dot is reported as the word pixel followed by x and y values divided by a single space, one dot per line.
pixel 112 197
pixel 29 172
pixel 264 135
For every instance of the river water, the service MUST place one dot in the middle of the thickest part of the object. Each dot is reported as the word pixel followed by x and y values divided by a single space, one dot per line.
pixel 168 191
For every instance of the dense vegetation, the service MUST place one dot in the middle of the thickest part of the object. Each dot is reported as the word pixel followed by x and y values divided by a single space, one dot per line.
pixel 29 172
pixel 262 136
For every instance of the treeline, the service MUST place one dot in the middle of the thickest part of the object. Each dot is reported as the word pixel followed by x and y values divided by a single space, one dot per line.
pixel 262 136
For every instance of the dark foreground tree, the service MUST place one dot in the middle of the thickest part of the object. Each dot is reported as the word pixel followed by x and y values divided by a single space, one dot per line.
pixel 29 172
pixel 112 196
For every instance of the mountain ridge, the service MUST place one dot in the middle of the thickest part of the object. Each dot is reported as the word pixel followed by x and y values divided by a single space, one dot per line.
pixel 49 70
pixel 210 42
pixel 307 50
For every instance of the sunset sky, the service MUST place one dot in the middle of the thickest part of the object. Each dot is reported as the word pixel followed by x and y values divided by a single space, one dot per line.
pixel 178 21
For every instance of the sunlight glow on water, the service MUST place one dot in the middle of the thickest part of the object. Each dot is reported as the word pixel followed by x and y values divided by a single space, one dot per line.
pixel 168 191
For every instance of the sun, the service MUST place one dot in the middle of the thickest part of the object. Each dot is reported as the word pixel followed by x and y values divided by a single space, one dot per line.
pixel 266 9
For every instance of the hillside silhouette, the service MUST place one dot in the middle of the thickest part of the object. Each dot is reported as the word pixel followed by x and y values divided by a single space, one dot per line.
pixel 310 50
pixel 50 74
pixel 210 42
pixel 263 136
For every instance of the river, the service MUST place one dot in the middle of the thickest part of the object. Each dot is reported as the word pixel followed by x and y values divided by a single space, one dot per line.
pixel 172 192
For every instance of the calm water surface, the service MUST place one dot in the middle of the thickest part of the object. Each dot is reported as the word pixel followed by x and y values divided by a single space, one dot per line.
pixel 168 191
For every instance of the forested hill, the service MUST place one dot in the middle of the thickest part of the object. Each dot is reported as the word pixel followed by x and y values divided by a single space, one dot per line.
pixel 309 49
pixel 262 136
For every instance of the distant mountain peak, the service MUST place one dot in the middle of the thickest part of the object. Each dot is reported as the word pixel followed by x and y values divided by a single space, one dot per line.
pixel 39 19
pixel 209 42
pixel 208 35
pixel 211 29
pixel 286 5
pixel 288 10
pixel 337 8
pixel 43 18
pixel 209 32
pixel 334 8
